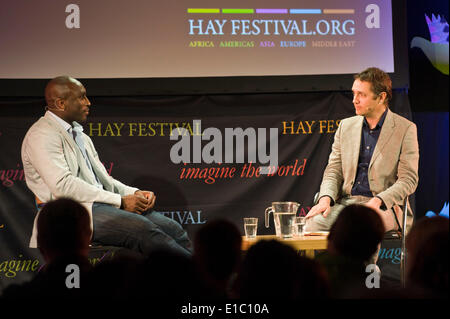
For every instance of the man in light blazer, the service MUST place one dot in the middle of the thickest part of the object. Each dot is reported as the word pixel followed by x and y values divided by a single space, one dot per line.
pixel 59 160
pixel 374 158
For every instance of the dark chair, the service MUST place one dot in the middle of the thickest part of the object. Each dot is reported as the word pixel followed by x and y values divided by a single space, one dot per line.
pixel 400 235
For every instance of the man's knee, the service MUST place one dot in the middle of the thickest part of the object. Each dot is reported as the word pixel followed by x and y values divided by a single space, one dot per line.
pixel 167 224
pixel 321 223
pixel 317 223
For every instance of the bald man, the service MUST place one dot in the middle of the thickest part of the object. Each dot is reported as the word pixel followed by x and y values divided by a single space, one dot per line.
pixel 59 160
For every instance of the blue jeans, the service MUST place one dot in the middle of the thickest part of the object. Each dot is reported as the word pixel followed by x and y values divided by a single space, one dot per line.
pixel 143 233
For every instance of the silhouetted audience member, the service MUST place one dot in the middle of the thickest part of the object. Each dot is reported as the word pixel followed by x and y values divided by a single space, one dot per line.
pixel 427 257
pixel 116 278
pixel 354 237
pixel 64 235
pixel 273 270
pixel 167 275
pixel 217 257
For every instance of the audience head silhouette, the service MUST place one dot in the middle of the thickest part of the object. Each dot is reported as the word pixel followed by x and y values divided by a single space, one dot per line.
pixel 356 233
pixel 169 275
pixel 218 248
pixel 272 269
pixel 63 229
pixel 427 259
pixel 217 255
pixel 63 238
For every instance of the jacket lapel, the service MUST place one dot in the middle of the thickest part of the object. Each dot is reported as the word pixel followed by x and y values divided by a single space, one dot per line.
pixel 385 135
pixel 95 164
pixel 69 139
pixel 354 145
pixel 79 159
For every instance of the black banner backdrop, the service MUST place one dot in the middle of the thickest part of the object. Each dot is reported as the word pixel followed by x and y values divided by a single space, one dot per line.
pixel 132 137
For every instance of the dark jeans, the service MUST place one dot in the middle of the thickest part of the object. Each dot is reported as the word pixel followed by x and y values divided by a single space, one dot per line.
pixel 143 233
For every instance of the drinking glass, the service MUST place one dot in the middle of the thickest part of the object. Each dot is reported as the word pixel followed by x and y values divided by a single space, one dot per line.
pixel 299 226
pixel 250 227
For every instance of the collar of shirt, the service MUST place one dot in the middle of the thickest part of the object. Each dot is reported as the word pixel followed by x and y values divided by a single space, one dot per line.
pixel 380 122
pixel 66 126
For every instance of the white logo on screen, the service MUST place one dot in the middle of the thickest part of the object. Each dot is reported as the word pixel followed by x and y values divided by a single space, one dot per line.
pixel 73 19
pixel 373 19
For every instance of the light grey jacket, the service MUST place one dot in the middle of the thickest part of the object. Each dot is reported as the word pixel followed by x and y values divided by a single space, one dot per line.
pixel 55 167
pixel 393 169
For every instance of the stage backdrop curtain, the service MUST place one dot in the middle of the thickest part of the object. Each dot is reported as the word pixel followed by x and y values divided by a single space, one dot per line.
pixel 132 137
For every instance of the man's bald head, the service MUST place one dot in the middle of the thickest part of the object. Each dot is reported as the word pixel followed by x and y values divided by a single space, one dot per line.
pixel 66 98
pixel 59 87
